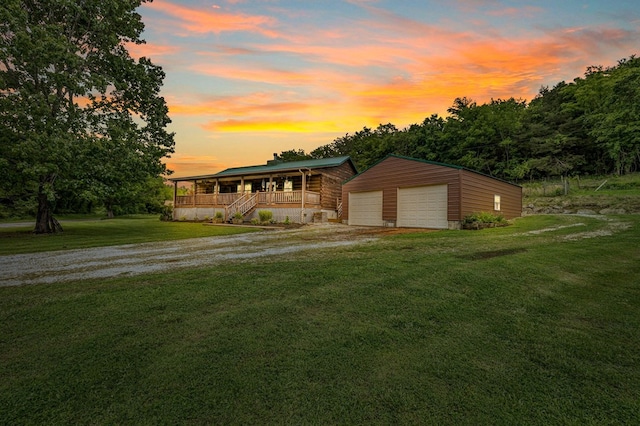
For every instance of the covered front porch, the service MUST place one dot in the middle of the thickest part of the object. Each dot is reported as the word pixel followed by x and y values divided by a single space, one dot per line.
pixel 289 197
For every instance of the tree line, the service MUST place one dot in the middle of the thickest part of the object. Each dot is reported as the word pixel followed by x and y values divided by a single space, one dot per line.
pixel 588 126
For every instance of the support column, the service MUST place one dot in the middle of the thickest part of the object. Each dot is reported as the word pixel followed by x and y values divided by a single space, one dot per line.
pixel 175 198
pixel 304 187
pixel 216 191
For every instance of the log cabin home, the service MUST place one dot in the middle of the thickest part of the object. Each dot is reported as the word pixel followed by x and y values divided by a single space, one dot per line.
pixel 297 191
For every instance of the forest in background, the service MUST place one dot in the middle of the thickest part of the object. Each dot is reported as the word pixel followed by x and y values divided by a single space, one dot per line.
pixel 590 126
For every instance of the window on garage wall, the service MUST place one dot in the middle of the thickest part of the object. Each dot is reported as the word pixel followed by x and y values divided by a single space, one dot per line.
pixel 496 203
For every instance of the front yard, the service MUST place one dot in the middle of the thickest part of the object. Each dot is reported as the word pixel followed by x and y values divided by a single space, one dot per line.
pixel 535 323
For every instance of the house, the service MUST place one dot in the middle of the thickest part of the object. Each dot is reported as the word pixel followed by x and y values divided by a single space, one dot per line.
pixel 296 190
pixel 406 192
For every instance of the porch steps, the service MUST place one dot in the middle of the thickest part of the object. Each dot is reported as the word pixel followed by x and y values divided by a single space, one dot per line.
pixel 244 205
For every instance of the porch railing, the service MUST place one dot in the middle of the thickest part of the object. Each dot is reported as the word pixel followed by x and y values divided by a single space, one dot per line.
pixel 207 199
pixel 227 199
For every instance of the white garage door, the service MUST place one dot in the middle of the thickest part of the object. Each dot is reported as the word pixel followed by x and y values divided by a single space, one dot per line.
pixel 423 207
pixel 365 208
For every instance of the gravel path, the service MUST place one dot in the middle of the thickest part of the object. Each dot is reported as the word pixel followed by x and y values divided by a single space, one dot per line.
pixel 133 259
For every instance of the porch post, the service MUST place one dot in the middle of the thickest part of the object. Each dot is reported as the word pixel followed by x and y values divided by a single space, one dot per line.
pixel 216 191
pixel 194 186
pixel 270 189
pixel 304 185
pixel 175 198
pixel 242 183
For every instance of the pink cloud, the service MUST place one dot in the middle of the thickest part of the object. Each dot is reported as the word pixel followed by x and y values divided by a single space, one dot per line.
pixel 151 50
pixel 212 20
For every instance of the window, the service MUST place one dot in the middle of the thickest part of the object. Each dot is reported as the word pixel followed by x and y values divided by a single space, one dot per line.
pixel 496 203
pixel 288 185
pixel 247 187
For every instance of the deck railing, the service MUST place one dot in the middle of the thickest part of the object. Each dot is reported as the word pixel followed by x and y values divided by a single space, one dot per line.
pixel 226 199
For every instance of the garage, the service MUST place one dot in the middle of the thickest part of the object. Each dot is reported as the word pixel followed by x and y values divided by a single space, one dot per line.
pixel 414 193
pixel 365 208
pixel 423 207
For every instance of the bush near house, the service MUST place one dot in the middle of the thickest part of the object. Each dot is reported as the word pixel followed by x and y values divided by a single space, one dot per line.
pixel 266 216
pixel 166 215
pixel 483 220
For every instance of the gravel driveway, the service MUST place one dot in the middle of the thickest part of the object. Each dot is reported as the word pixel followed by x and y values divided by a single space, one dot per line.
pixel 133 259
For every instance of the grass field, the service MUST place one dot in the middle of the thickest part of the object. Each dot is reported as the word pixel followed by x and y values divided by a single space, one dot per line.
pixel 536 323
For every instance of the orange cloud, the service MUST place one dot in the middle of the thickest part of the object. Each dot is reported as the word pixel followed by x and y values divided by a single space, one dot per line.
pixel 251 104
pixel 264 125
pixel 150 50
pixel 191 165
pixel 212 20
pixel 253 73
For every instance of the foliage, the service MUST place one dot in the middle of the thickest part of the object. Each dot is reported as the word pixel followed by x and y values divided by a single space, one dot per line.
pixel 511 326
pixel 78 114
pixel 238 215
pixel 166 214
pixel 293 155
pixel 588 126
pixel 266 216
pixel 484 218
pixel 218 215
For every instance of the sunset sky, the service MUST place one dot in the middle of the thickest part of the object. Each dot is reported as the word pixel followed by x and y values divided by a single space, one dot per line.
pixel 247 78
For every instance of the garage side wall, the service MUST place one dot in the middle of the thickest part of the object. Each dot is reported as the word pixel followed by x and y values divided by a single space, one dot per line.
pixel 393 173
pixel 479 192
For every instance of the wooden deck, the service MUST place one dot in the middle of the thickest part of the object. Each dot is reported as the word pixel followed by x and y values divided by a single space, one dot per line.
pixel 274 198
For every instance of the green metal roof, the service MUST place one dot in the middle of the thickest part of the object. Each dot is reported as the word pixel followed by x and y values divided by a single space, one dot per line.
pixel 273 168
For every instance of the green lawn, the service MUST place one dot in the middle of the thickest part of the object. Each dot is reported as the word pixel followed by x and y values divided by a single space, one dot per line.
pixel 501 326
pixel 97 233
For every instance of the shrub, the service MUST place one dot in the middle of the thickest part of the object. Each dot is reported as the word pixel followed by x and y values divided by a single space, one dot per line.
pixel 286 220
pixel 166 215
pixel 218 215
pixel 265 216
pixel 237 215
pixel 483 220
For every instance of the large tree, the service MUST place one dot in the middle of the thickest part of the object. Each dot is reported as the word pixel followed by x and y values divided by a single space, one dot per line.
pixel 77 111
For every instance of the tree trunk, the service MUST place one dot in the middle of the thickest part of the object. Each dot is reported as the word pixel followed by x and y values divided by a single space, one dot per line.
pixel 109 207
pixel 45 222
